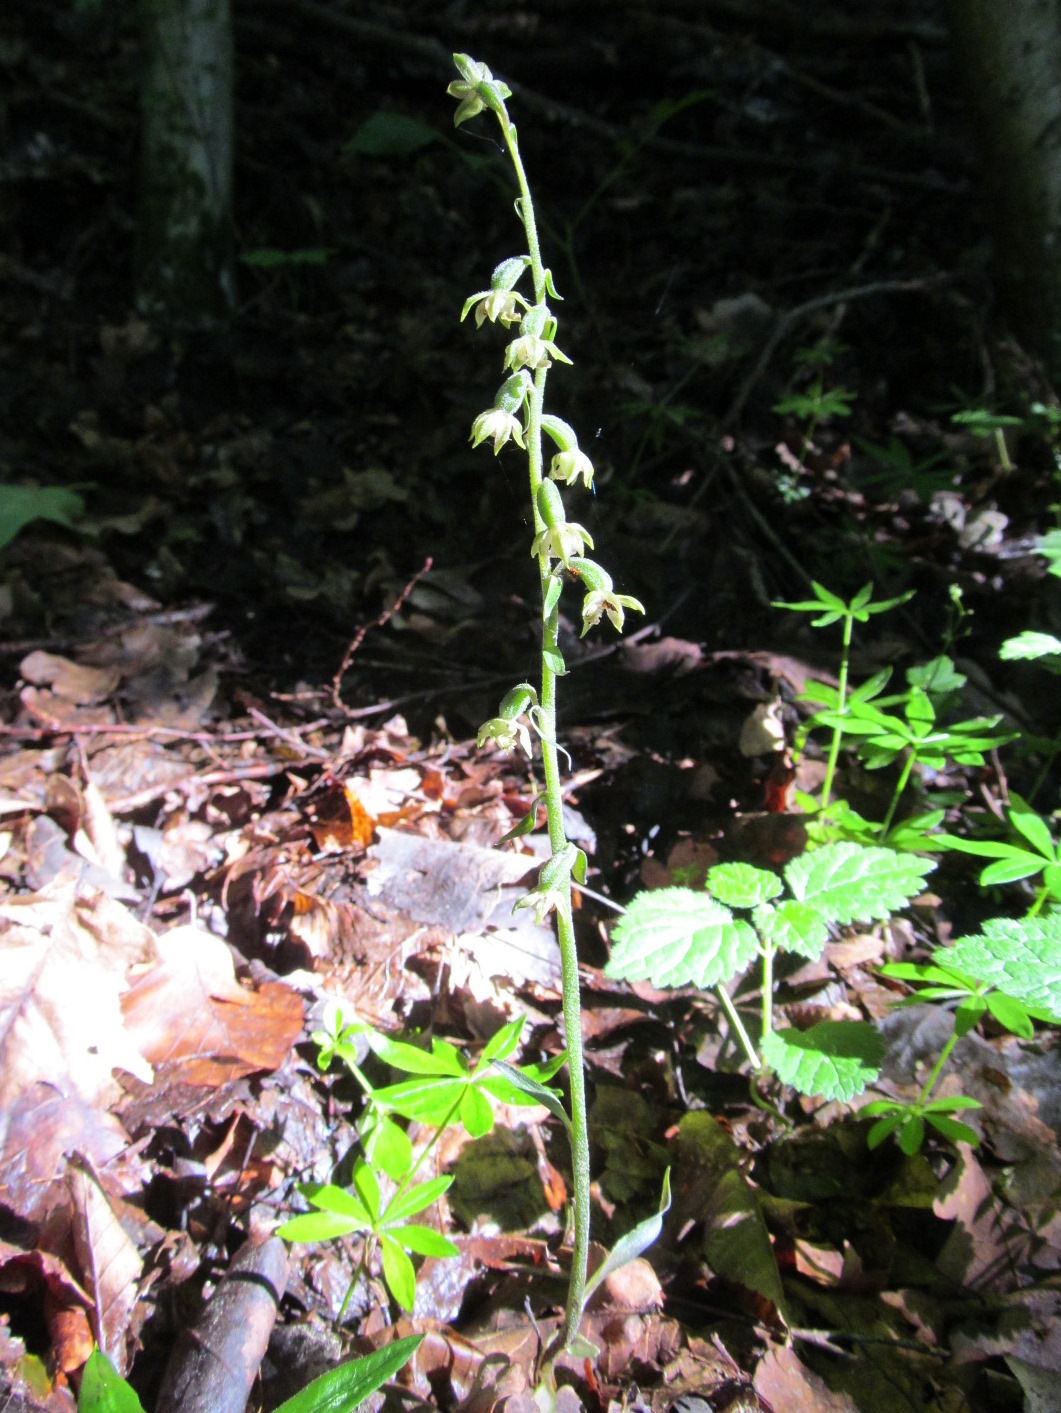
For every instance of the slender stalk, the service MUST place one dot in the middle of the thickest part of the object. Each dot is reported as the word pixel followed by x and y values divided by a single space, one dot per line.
pixel 572 1003
pixel 904 776
pixel 841 696
pixel 737 1024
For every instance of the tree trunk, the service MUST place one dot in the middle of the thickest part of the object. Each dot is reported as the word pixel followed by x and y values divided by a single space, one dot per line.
pixel 184 229
pixel 1009 54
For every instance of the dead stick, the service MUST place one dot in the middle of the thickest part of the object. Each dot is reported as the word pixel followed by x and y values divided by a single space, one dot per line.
pixel 363 632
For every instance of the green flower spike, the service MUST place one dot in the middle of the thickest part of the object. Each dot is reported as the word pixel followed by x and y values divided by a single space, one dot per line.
pixel 477 89
pixel 500 303
pixel 506 729
pixel 499 425
pixel 602 598
pixel 560 538
pixel 552 892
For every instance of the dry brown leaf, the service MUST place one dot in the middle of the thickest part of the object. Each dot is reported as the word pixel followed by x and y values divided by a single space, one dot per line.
pixel 192 1014
pixel 110 1263
pixel 64 957
pixel 71 681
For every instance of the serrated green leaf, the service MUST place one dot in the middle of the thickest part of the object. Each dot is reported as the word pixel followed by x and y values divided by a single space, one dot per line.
pixel 398 1272
pixel 103 1390
pixel 344 1389
pixel 846 882
pixel 424 1241
pixel 833 1060
pixel 739 885
pixel 793 927
pixel 1020 957
pixel 678 937
pixel 1028 645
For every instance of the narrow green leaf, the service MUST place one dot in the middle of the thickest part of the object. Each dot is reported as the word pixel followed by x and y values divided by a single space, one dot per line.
pixel 882 1128
pixel 631 1245
pixel 1012 870
pixel 1011 1014
pixel 912 1134
pixel 951 1102
pixel 427 1101
pixel 366 1185
pixel 502 1043
pixel 319 1226
pixel 398 1272
pixel 415 1199
pixel 387 1146
pixel 327 1197
pixel 523 1088
pixel 1033 827
pixel 344 1389
pixel 953 1130
pixel 424 1241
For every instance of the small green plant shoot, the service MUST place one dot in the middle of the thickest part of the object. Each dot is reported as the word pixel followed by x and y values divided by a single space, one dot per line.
pixel 341 1390
pixel 384 1193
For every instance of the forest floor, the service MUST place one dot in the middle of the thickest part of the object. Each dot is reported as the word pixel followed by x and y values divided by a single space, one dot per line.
pixel 238 772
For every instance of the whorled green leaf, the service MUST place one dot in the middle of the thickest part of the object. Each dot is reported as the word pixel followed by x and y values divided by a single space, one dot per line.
pixel 431 1100
pixel 833 1060
pixel 103 1390
pixel 846 882
pixel 320 1226
pixel 740 885
pixel 415 1199
pixel 515 1086
pixel 441 1059
pixel 475 1112
pixel 1020 957
pixel 424 1241
pixel 679 937
pixel 398 1272
pixel 344 1389
pixel 387 1146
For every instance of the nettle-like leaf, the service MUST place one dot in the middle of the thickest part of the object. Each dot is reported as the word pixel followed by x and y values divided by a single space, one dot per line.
pixel 740 885
pixel 846 882
pixel 833 1060
pixel 1020 957
pixel 678 937
pixel 793 927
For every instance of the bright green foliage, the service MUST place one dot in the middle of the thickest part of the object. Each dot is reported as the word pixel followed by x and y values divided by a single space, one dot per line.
pixel 681 937
pixel 445 1089
pixel 1031 850
pixel 340 1390
pixel 907 1121
pixel 1018 957
pixel 360 1208
pixel 836 1059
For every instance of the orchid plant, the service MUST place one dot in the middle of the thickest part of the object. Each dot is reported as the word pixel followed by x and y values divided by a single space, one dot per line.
pixel 559 545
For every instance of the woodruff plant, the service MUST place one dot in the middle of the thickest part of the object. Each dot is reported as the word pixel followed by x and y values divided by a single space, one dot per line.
pixel 518 415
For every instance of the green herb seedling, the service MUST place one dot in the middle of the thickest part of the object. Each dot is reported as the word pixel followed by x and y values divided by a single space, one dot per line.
pixel 1036 853
pixel 683 937
pixel 383 1193
pixel 1012 972
pixel 340 1390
